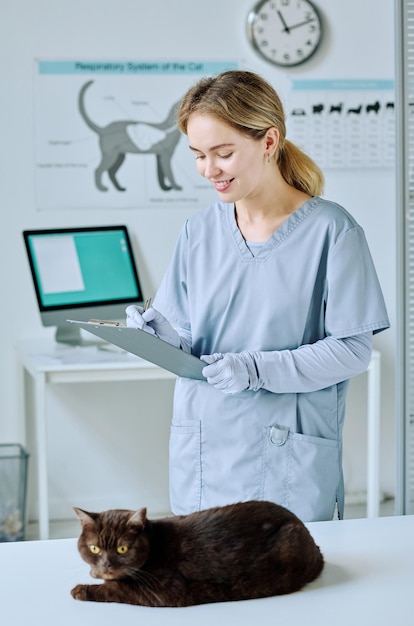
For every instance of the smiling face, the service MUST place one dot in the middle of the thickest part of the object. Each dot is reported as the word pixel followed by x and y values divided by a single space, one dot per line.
pixel 234 163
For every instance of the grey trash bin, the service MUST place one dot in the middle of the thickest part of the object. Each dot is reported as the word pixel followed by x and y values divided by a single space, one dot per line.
pixel 13 487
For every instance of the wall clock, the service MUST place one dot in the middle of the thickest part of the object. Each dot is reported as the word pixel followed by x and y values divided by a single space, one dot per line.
pixel 285 32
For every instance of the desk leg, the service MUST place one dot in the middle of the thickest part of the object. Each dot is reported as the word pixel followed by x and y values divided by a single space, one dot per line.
pixel 41 451
pixel 373 479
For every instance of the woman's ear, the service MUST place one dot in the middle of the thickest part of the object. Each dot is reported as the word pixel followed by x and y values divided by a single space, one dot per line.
pixel 271 140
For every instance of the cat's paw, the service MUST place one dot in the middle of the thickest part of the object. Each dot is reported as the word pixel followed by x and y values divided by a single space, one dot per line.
pixel 80 592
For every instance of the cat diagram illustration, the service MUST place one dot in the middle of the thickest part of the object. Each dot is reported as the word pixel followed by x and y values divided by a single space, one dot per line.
pixel 117 139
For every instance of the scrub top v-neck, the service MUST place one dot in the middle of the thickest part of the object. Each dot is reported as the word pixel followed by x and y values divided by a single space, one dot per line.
pixel 289 224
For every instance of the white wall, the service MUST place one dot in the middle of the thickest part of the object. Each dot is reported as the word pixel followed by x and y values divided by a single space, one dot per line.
pixel 100 437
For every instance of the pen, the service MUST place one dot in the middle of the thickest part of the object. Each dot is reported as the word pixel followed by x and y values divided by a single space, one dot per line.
pixel 146 307
pixel 105 322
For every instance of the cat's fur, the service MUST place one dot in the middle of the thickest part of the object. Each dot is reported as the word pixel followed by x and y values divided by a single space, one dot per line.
pixel 237 552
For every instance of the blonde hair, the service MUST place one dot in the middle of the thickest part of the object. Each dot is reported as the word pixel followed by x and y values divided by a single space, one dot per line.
pixel 246 102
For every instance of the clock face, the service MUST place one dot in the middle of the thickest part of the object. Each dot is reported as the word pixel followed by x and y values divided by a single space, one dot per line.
pixel 284 32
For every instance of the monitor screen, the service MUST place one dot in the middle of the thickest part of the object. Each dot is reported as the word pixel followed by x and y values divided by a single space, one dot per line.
pixel 82 273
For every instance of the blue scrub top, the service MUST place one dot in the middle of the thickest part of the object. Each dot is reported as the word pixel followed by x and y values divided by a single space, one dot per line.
pixel 313 278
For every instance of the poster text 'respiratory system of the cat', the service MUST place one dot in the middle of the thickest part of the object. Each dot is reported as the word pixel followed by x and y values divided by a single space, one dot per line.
pixel 106 135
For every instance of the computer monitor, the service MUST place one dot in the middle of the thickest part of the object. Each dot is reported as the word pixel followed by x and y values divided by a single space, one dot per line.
pixel 82 273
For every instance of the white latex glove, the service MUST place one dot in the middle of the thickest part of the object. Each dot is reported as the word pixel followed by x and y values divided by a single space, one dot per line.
pixel 153 322
pixel 134 318
pixel 228 372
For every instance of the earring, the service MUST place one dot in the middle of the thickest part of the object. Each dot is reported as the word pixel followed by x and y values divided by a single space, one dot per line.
pixel 268 158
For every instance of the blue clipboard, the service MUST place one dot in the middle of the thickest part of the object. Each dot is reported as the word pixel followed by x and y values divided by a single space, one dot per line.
pixel 146 346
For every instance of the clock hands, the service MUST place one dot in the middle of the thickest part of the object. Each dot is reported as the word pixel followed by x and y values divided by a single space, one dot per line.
pixel 312 19
pixel 287 29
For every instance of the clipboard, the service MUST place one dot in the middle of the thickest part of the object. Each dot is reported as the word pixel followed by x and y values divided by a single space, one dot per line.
pixel 146 346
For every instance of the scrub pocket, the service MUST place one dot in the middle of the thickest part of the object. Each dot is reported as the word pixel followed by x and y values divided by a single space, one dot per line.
pixel 185 466
pixel 300 472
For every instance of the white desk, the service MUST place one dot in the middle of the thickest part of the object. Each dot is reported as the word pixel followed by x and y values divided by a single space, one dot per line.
pixel 368 579
pixel 48 363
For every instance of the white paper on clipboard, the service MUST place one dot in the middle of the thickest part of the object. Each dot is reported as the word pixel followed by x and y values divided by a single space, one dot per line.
pixel 148 347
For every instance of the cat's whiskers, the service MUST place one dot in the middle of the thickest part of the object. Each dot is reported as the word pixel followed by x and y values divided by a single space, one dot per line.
pixel 145 577
pixel 149 583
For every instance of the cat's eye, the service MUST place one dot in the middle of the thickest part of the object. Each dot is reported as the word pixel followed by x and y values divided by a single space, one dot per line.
pixel 122 549
pixel 94 549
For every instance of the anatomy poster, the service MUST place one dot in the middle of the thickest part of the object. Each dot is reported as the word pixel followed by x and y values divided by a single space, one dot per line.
pixel 106 135
pixel 344 123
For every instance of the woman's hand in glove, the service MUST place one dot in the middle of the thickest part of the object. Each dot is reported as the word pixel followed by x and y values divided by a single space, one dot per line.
pixel 153 322
pixel 231 373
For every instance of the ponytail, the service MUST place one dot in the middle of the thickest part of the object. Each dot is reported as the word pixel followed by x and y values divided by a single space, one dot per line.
pixel 298 169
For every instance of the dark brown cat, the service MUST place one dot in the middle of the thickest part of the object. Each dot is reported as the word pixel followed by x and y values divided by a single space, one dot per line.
pixel 236 552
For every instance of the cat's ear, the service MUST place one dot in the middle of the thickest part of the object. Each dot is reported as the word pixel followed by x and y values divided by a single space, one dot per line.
pixel 84 516
pixel 138 518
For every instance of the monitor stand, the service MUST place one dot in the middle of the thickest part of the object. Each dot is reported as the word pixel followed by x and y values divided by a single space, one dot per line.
pixel 69 334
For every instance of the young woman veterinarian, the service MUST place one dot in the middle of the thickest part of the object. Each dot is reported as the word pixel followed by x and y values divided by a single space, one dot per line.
pixel 274 287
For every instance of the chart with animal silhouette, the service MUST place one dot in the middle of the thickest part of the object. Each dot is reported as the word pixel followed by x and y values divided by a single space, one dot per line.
pixel 344 123
pixel 106 135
